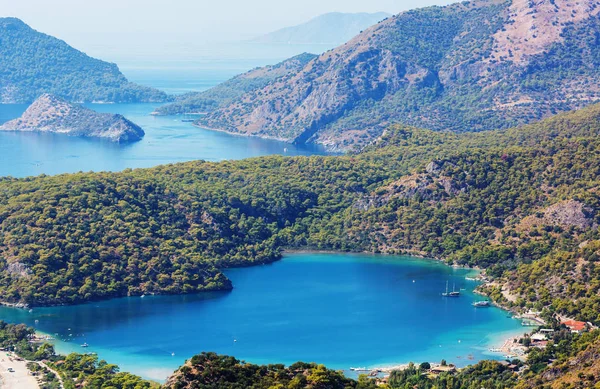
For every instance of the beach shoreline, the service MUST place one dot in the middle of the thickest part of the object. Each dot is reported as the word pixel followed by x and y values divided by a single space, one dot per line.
pixel 14 373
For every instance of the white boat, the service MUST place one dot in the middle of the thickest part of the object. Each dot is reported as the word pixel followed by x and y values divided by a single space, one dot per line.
pixel 85 345
pixel 454 293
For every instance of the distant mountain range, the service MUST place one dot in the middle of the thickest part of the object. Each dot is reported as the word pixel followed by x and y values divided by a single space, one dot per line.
pixel 465 67
pixel 33 63
pixel 332 28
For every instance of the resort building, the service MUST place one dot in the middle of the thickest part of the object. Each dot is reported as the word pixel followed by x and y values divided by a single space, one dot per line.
pixel 575 326
pixel 538 337
pixel 443 369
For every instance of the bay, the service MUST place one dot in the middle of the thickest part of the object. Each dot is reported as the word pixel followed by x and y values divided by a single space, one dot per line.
pixel 342 310
pixel 167 140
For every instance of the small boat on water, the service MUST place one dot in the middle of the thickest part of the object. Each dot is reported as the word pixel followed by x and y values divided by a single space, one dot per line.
pixel 454 292
pixel 85 345
pixel 481 304
pixel 359 369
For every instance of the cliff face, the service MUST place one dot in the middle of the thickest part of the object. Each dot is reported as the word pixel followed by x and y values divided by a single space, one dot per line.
pixel 52 114
pixel 465 67
pixel 33 63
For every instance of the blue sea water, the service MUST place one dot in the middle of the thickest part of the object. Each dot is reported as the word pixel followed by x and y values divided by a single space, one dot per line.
pixel 342 310
pixel 167 139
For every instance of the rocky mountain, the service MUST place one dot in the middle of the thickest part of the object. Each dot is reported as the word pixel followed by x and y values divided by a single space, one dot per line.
pixel 469 66
pixel 33 63
pixel 332 28
pixel 52 114
pixel 230 90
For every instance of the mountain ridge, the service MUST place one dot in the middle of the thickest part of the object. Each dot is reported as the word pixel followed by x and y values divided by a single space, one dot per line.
pixel 34 63
pixel 442 68
pixel 330 28
pixel 219 95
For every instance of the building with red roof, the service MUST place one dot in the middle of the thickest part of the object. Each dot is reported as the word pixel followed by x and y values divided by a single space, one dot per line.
pixel 575 326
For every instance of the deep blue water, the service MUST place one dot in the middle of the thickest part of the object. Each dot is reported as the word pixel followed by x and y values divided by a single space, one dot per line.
pixel 167 140
pixel 338 309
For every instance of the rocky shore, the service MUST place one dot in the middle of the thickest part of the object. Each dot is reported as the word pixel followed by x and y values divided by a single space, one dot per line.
pixel 52 114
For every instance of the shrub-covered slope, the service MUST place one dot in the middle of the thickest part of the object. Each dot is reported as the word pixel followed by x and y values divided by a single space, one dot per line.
pixel 503 200
pixel 470 66
pixel 33 63
pixel 226 92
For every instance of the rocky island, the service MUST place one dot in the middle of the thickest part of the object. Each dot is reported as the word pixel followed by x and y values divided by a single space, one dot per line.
pixel 53 114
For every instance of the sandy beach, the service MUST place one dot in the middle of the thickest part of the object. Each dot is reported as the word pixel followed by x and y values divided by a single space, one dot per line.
pixel 19 378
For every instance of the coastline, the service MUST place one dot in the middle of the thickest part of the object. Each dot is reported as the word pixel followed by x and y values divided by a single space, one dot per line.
pixel 245 135
pixel 391 365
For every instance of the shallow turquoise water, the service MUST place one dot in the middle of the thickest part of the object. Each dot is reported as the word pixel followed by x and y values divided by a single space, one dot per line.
pixel 342 310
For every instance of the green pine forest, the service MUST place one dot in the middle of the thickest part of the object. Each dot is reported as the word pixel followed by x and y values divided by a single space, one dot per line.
pixel 521 203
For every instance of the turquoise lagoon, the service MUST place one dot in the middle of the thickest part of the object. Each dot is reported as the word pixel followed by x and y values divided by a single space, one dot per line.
pixel 342 310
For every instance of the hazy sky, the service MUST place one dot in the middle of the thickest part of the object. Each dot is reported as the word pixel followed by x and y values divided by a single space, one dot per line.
pixel 122 28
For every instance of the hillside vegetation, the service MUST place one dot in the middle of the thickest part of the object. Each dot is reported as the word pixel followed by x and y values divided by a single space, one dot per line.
pixel 471 66
pixel 34 63
pixel 522 203
pixel 215 97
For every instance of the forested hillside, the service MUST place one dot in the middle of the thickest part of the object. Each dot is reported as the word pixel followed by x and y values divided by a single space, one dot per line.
pixel 516 202
pixel 470 66
pixel 215 97
pixel 33 63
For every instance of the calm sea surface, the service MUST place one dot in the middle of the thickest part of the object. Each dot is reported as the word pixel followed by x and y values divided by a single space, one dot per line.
pixel 167 140
pixel 339 309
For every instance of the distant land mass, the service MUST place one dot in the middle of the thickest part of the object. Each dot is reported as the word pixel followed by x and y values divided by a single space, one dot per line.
pixel 332 28
pixel 470 66
pixel 33 63
pixel 52 114
pixel 213 98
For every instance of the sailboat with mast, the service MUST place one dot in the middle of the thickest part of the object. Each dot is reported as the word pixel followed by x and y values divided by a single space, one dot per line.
pixel 454 292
